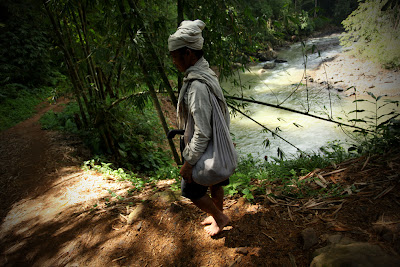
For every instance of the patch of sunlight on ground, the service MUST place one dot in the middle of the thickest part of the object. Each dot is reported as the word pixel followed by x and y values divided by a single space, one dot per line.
pixel 68 191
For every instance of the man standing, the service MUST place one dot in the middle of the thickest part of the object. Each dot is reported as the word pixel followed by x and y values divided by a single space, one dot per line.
pixel 185 47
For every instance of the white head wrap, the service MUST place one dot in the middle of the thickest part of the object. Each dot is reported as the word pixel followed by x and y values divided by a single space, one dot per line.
pixel 188 34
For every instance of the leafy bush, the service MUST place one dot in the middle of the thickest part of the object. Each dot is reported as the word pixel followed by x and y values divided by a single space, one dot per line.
pixel 376 38
pixel 138 132
pixel 382 129
pixel 61 121
pixel 24 45
pixel 21 106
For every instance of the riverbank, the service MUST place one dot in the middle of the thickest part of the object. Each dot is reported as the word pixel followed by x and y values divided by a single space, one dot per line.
pixel 344 71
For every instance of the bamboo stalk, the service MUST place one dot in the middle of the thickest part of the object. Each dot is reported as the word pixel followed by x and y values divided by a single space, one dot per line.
pixel 153 53
pixel 152 91
pixel 71 67
pixel 157 105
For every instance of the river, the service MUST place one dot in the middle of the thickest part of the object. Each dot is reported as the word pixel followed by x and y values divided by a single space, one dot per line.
pixel 280 86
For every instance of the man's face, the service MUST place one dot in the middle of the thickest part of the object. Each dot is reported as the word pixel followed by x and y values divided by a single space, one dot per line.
pixel 180 60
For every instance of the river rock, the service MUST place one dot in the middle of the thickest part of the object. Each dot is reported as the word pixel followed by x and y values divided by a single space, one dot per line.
pixel 261 71
pixel 269 65
pixel 266 55
pixel 236 65
pixel 280 61
pixel 352 254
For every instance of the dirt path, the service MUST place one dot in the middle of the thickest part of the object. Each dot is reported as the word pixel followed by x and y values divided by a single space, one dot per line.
pixel 55 214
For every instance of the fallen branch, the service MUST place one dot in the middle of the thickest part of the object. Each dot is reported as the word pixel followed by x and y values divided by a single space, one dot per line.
pixel 333 172
pixel 120 258
pixel 310 174
pixel 290 214
pixel 384 192
pixel 365 163
pixel 270 237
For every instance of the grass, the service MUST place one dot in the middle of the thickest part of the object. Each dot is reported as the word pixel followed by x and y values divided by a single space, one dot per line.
pixel 22 107
pixel 255 176
pixel 138 181
pixel 252 177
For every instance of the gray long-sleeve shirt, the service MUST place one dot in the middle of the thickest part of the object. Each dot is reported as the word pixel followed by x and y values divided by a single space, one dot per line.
pixel 198 102
pixel 200 81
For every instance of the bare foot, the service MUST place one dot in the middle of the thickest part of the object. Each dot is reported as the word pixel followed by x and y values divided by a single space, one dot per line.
pixel 216 227
pixel 208 220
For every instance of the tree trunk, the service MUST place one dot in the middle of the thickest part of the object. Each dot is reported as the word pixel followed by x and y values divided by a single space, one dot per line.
pixel 72 69
pixel 315 9
pixel 157 105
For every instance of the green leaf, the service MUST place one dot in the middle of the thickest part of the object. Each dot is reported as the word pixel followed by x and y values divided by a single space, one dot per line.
pixel 294 20
pixel 313 48
pixel 372 95
pixel 122 153
pixel 357 110
pixel 352 148
pixel 358 120
pixel 266 143
pixel 277 24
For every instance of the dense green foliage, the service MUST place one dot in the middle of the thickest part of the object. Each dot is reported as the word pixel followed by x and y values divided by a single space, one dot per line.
pixel 21 106
pixel 143 138
pixel 373 32
pixel 24 45
pixel 26 71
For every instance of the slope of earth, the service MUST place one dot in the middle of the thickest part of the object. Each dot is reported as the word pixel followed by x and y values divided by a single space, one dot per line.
pixel 56 214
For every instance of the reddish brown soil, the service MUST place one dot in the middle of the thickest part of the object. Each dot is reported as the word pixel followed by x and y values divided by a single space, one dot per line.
pixel 55 214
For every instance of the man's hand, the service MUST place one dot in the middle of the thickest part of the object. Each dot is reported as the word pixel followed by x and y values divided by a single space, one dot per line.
pixel 186 172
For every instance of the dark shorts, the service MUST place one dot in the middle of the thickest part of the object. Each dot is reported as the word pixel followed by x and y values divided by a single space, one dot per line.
pixel 195 191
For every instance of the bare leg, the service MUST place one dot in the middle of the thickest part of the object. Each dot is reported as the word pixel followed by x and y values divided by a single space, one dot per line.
pixel 217 196
pixel 206 204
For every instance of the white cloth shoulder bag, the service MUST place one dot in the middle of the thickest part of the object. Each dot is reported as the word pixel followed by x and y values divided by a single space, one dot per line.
pixel 219 161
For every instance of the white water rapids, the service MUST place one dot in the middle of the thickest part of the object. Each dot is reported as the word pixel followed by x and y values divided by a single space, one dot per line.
pixel 276 86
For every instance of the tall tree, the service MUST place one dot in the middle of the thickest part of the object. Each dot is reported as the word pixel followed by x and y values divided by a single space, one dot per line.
pixel 376 38
pixel 106 67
